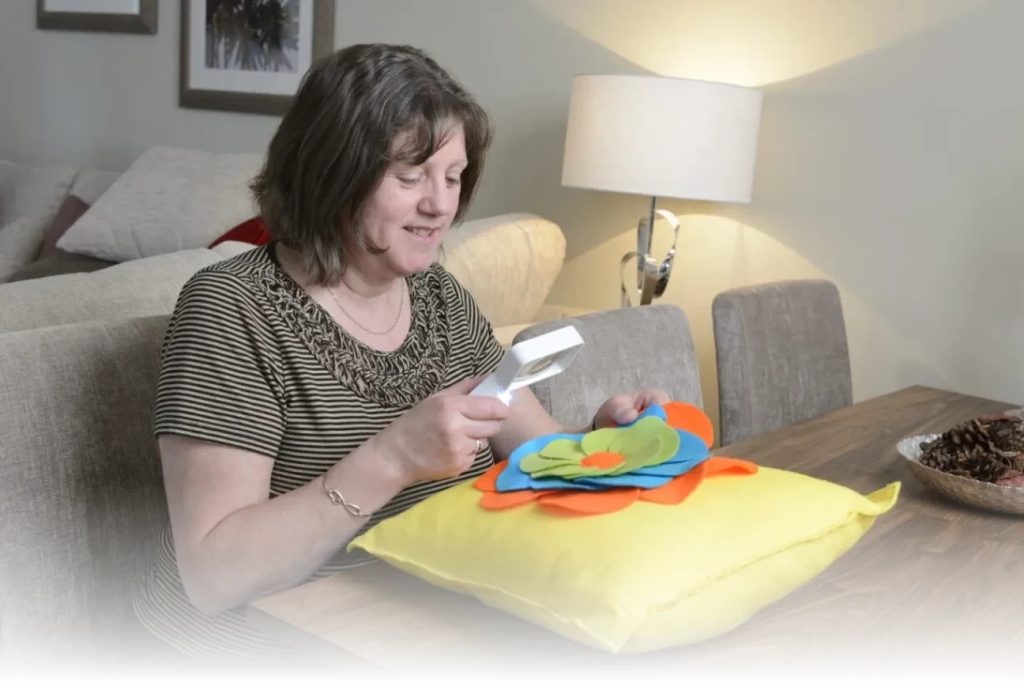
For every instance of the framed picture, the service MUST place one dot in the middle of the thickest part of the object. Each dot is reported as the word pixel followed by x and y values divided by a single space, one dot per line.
pixel 250 55
pixel 115 16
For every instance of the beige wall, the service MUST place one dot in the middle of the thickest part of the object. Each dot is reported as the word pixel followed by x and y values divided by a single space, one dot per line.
pixel 891 149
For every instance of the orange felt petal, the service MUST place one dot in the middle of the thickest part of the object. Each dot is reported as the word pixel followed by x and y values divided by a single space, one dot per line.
pixel 720 464
pixel 678 489
pixel 604 460
pixel 589 502
pixel 488 481
pixel 492 500
pixel 691 419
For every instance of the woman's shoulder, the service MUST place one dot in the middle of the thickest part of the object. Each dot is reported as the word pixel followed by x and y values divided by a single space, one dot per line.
pixel 240 265
pixel 444 281
pixel 233 273
pixel 232 282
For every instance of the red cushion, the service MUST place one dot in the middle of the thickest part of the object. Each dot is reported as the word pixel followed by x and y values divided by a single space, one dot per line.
pixel 69 212
pixel 251 231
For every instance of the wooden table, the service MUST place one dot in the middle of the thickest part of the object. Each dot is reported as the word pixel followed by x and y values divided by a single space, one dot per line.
pixel 935 587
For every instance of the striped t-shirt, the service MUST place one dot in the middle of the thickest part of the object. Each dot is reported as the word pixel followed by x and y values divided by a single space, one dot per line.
pixel 251 361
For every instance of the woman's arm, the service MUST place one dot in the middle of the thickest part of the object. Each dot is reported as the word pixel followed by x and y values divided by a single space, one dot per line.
pixel 234 544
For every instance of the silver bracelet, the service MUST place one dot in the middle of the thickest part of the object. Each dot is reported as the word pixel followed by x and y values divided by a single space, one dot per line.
pixel 334 495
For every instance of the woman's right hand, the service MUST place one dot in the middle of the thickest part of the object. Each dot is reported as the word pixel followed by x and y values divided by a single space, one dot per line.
pixel 438 437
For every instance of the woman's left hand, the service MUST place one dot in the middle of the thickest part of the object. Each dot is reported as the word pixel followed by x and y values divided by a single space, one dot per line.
pixel 624 408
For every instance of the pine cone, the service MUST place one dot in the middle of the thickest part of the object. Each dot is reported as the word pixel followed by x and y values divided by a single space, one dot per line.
pixel 969 434
pixel 985 449
pixel 1007 433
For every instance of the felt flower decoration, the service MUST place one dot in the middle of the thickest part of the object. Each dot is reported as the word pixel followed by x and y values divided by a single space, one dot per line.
pixel 691 450
pixel 568 502
pixel 605 452
pixel 661 457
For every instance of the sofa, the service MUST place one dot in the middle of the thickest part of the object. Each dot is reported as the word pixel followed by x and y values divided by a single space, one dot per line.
pixel 123 244
pixel 490 257
pixel 37 205
pixel 82 502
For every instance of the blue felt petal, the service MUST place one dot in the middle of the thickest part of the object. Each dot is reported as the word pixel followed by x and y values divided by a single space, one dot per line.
pixel 692 450
pixel 652 411
pixel 513 478
pixel 558 484
pixel 626 481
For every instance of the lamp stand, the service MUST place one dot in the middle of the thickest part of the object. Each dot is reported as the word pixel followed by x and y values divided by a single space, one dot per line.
pixel 651 277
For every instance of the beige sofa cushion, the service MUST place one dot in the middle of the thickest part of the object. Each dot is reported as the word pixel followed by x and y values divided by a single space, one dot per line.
pixel 137 288
pixel 81 499
pixel 509 263
pixel 169 199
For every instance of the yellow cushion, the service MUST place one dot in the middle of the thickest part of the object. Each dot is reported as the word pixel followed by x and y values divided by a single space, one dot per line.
pixel 643 578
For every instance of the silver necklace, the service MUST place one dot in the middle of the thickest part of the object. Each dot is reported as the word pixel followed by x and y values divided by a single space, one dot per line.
pixel 401 307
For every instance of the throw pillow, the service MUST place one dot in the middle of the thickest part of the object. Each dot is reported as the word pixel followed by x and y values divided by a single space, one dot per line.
pixel 646 577
pixel 70 211
pixel 32 190
pixel 251 231
pixel 19 243
pixel 169 199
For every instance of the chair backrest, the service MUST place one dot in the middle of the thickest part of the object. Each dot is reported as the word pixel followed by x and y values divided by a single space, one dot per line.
pixel 782 355
pixel 625 350
pixel 81 492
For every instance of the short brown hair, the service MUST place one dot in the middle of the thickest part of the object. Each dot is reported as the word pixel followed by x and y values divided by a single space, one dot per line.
pixel 339 135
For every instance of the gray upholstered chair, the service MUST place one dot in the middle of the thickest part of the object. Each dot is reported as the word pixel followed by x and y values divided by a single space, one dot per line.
pixel 782 355
pixel 625 350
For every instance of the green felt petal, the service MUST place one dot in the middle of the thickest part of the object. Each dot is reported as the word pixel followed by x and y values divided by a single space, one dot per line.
pixel 646 442
pixel 534 464
pixel 563 449
pixel 668 444
pixel 555 454
pixel 569 471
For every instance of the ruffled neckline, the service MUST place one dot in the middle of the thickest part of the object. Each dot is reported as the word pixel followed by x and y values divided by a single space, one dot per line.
pixel 399 378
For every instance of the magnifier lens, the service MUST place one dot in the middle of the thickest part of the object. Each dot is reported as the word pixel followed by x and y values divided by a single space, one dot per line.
pixel 535 367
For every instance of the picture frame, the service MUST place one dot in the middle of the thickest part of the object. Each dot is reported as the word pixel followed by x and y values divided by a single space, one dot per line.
pixel 110 16
pixel 245 56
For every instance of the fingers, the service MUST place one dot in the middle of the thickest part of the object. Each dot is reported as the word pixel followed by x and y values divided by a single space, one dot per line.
pixel 649 397
pixel 625 414
pixel 474 407
pixel 625 408
pixel 482 429
pixel 483 408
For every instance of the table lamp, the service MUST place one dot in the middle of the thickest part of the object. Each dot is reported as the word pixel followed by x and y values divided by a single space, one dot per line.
pixel 660 137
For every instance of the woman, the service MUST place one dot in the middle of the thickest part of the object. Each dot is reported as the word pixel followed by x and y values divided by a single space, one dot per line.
pixel 315 386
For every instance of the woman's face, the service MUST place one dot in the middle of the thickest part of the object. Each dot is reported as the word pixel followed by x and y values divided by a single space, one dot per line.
pixel 413 206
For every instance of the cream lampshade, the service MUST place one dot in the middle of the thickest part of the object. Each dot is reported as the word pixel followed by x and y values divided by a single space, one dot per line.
pixel 661 137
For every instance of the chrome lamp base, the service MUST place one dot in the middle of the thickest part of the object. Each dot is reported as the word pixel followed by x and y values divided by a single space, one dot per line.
pixel 651 277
